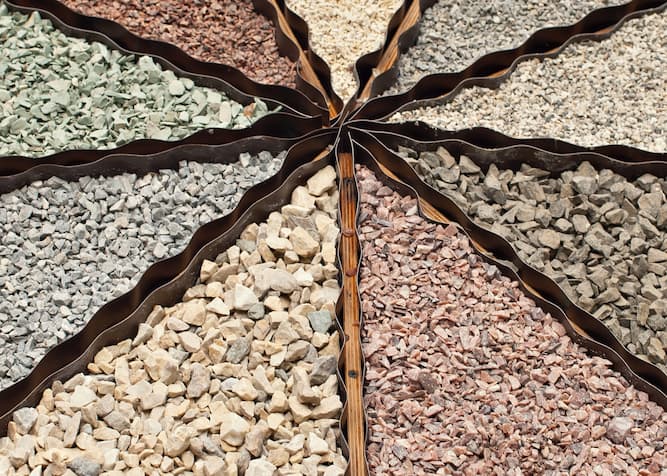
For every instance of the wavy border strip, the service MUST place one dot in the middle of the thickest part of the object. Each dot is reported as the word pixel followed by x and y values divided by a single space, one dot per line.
pixel 165 281
pixel 492 69
pixel 595 336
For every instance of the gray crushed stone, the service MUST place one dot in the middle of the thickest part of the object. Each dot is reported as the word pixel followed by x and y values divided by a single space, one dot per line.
pixel 601 237
pixel 454 34
pixel 593 93
pixel 67 248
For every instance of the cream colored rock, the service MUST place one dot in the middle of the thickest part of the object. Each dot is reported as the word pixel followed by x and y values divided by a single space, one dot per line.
pixel 233 429
pixel 303 243
pixel 323 181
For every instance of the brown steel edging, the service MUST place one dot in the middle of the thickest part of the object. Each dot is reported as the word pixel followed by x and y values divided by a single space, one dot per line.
pixel 16 171
pixel 491 139
pixel 377 71
pixel 215 75
pixel 596 336
pixel 165 281
pixel 492 69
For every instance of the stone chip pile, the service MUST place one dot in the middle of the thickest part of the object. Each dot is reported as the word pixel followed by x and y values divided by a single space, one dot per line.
pixel 603 238
pixel 343 31
pixel 238 378
pixel 465 375
pixel 59 93
pixel 68 248
pixel 593 93
pixel 453 34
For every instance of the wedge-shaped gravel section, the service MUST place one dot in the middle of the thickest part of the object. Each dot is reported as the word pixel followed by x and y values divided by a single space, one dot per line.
pixel 343 31
pixel 228 32
pixel 593 93
pixel 454 34
pixel 67 248
pixel 602 237
pixel 465 375
pixel 59 93
pixel 238 378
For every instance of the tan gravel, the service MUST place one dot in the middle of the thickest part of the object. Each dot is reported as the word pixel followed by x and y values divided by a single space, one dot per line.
pixel 343 31
pixel 465 375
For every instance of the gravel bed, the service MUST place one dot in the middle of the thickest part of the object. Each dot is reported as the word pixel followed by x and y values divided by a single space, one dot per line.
pixel 481 28
pixel 465 375
pixel 343 31
pixel 59 92
pixel 593 93
pixel 239 378
pixel 67 248
pixel 227 31
pixel 602 237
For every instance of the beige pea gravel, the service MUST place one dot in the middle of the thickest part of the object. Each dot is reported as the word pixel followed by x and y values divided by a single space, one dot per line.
pixel 593 93
pixel 343 31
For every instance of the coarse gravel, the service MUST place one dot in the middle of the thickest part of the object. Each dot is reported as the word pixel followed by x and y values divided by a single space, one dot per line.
pixel 343 31
pixel 453 34
pixel 60 93
pixel 466 375
pixel 593 93
pixel 600 236
pixel 67 248
pixel 237 378
pixel 225 31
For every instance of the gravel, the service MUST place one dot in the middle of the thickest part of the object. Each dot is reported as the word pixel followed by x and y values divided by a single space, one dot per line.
pixel 593 93
pixel 465 375
pixel 343 31
pixel 59 92
pixel 206 387
pixel 455 34
pixel 67 248
pixel 225 31
pixel 602 237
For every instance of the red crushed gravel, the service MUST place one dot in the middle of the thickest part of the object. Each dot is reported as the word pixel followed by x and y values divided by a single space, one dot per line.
pixel 465 375
pixel 221 31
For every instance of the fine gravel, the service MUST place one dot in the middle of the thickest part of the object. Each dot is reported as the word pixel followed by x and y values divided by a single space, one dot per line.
pixel 593 93
pixel 453 34
pixel 465 375
pixel 59 93
pixel 238 378
pixel 67 248
pixel 225 31
pixel 343 31
pixel 601 237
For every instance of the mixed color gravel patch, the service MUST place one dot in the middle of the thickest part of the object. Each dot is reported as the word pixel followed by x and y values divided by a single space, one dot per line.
pixel 68 248
pixel 238 378
pixel 224 31
pixel 593 93
pixel 465 375
pixel 600 236
pixel 61 93
pixel 343 31
pixel 453 34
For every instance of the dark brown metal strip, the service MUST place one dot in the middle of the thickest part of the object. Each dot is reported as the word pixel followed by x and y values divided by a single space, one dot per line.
pixel 164 282
pixel 492 69
pixel 490 139
pixel 223 77
pixel 596 337
pixel 16 171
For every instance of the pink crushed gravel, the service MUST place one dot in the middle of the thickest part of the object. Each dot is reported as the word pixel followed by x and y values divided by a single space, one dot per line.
pixel 466 375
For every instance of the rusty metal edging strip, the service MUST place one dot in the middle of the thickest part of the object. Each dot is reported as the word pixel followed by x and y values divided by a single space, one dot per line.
pixel 220 76
pixel 355 421
pixel 492 69
pixel 16 171
pixel 491 139
pixel 165 281
pixel 597 337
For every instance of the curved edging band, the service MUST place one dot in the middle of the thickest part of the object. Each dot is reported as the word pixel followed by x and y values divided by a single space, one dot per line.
pixel 597 337
pixel 165 281
pixel 17 171
pixel 492 69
